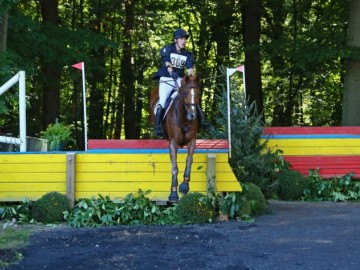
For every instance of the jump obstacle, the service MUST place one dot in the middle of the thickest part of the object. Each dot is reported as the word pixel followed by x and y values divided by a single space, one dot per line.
pixel 114 168
pixel 119 167
pixel 334 151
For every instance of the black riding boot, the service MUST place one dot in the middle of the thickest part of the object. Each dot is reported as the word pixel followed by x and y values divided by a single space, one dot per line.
pixel 203 122
pixel 159 116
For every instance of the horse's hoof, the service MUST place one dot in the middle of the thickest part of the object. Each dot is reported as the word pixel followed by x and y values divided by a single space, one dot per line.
pixel 173 197
pixel 184 188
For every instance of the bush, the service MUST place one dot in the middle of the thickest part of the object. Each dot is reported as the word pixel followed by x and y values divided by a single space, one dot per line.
pixel 20 212
pixel 193 209
pixel 244 209
pixel 252 196
pixel 291 185
pixel 134 209
pixel 251 159
pixel 50 207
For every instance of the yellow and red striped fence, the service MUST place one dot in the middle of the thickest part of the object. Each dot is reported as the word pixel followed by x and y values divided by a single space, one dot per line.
pixel 335 151
pixel 123 168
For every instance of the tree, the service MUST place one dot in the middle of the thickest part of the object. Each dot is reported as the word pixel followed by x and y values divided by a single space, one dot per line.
pixel 50 71
pixel 251 16
pixel 3 31
pixel 351 98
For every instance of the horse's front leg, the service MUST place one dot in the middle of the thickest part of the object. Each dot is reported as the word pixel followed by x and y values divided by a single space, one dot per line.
pixel 184 186
pixel 173 197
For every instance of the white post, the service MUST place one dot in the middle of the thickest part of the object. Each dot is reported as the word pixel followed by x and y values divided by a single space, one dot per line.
pixel 229 72
pixel 22 111
pixel 84 100
pixel 19 77
pixel 9 83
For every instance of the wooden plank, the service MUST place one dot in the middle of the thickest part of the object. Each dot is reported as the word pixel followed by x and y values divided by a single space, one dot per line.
pixel 151 144
pixel 43 158
pixel 110 157
pixel 33 168
pixel 318 151
pixel 312 130
pixel 133 186
pixel 156 196
pixel 40 177
pixel 32 187
pixel 18 196
pixel 70 178
pixel 211 174
pixel 329 165
pixel 291 143
pixel 163 176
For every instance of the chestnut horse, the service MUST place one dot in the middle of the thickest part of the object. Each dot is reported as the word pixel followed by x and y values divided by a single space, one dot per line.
pixel 180 125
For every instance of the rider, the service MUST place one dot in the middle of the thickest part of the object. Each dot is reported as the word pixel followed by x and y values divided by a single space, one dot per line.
pixel 174 58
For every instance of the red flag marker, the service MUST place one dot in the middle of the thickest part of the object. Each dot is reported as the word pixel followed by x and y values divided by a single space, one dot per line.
pixel 240 68
pixel 78 65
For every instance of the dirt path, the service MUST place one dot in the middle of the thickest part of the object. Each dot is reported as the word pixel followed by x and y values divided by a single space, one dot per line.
pixel 293 236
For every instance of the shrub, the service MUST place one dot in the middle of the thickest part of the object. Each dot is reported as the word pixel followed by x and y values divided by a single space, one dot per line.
pixel 20 212
pixel 335 189
pixel 291 185
pixel 192 209
pixel 50 207
pixel 134 209
pixel 251 159
pixel 253 196
pixel 244 208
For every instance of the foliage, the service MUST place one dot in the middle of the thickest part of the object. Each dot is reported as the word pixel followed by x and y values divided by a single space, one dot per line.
pixel 21 213
pixel 12 240
pixel 228 205
pixel 192 208
pixel 244 211
pixel 291 185
pixel 251 161
pixel 255 198
pixel 57 135
pixel 50 207
pixel 134 209
pixel 334 189
pixel 297 88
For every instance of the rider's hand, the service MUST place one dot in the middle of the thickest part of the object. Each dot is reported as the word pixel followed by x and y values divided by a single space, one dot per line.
pixel 174 75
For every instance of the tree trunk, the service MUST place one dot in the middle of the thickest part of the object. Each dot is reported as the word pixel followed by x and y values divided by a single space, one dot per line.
pixel 3 31
pixel 50 73
pixel 127 73
pixel 251 26
pixel 221 33
pixel 96 81
pixel 351 97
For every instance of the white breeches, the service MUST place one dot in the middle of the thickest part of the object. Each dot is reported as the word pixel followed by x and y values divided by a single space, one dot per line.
pixel 166 85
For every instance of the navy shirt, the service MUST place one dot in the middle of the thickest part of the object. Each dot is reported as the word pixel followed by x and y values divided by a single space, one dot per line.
pixel 179 60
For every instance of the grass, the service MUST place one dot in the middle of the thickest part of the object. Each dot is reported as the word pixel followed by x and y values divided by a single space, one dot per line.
pixel 12 240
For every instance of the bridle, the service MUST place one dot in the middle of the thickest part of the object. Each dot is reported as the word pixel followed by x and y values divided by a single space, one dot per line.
pixel 192 104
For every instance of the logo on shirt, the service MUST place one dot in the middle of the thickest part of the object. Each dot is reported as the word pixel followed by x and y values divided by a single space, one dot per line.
pixel 178 60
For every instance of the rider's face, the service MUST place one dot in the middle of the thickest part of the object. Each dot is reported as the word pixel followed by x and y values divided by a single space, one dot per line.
pixel 181 42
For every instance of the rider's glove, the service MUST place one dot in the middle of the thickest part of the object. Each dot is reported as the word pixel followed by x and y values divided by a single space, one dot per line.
pixel 174 75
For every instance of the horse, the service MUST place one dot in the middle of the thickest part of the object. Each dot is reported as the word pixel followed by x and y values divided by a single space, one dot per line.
pixel 180 125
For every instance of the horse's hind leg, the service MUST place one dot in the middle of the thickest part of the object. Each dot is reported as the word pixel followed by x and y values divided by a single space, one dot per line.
pixel 174 197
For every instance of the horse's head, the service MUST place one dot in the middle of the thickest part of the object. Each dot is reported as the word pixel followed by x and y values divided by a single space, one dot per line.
pixel 190 91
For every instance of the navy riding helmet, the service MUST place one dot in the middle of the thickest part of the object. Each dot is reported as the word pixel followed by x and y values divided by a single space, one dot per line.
pixel 180 33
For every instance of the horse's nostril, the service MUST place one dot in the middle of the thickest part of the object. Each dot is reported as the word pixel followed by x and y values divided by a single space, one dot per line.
pixel 191 116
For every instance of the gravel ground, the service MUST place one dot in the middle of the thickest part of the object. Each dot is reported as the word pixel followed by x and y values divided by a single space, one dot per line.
pixel 294 235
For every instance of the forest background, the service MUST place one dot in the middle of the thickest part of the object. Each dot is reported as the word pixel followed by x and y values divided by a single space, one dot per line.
pixel 301 60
